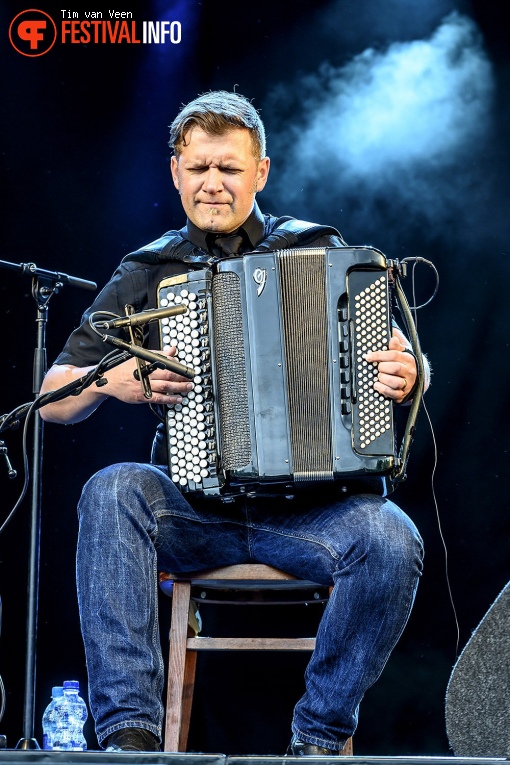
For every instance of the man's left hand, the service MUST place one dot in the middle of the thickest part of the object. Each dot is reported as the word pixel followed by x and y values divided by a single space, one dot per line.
pixel 396 369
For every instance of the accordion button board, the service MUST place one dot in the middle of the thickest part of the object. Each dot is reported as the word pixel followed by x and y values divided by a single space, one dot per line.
pixel 283 395
pixel 190 425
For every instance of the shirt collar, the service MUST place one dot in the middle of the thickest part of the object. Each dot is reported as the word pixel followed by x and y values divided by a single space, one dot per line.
pixel 252 230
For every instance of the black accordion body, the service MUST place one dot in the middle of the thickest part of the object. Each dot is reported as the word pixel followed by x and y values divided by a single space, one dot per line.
pixel 283 396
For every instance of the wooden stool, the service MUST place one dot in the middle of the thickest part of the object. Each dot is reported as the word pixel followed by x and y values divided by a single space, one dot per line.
pixel 241 584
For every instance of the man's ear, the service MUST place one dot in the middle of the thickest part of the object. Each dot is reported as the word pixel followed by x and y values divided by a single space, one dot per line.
pixel 263 172
pixel 174 166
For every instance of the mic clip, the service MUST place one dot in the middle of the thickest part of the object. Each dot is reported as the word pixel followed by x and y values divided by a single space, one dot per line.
pixel 147 370
pixel 141 372
pixel 3 452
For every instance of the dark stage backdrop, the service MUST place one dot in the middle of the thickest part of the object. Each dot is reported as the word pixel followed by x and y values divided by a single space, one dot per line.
pixel 389 121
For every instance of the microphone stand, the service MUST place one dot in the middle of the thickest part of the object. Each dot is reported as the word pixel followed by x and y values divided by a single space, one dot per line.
pixel 45 284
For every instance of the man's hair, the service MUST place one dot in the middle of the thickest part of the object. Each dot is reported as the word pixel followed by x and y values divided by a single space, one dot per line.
pixel 216 113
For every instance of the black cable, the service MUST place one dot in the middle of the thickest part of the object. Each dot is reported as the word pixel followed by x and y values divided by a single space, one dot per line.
pixel 415 261
pixel 2 704
pixel 26 471
pixel 414 308
pixel 92 320
pixel 39 402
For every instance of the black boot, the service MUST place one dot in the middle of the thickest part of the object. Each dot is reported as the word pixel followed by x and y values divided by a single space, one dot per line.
pixel 303 749
pixel 132 740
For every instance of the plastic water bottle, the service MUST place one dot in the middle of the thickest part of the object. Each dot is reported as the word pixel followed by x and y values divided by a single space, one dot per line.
pixel 49 717
pixel 70 716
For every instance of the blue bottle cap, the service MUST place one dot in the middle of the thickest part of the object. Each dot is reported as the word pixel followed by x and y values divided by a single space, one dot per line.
pixel 71 685
pixel 57 690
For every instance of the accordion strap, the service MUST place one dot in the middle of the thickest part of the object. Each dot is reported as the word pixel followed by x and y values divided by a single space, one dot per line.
pixel 290 232
pixel 170 246
pixel 287 233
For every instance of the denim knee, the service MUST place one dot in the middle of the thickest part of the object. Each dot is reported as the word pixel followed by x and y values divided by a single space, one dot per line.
pixel 128 484
pixel 394 538
pixel 120 475
pixel 376 534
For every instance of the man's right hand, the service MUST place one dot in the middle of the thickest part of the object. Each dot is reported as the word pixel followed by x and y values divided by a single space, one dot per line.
pixel 167 387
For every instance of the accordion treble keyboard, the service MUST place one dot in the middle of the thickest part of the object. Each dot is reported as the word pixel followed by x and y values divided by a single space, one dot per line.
pixel 190 425
pixel 283 395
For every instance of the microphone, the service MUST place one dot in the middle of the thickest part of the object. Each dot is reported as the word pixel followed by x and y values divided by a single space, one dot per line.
pixel 159 361
pixel 144 317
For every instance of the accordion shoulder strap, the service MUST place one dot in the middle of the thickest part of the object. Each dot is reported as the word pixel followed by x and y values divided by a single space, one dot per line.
pixel 290 232
pixel 287 233
pixel 170 246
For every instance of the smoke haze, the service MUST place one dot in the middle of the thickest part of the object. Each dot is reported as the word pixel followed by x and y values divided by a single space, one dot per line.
pixel 392 132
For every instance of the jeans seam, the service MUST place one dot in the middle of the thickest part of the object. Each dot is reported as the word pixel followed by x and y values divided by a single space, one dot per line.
pixel 155 636
pixel 390 651
pixel 305 537
pixel 248 523
pixel 173 514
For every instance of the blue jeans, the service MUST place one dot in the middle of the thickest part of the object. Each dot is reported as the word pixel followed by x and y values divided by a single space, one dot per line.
pixel 134 522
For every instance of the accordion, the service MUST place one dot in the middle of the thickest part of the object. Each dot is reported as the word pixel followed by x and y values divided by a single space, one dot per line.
pixel 283 397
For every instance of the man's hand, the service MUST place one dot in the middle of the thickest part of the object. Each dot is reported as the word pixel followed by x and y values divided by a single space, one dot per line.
pixel 167 387
pixel 396 369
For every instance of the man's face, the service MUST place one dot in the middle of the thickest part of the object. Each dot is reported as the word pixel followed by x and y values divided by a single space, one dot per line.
pixel 217 177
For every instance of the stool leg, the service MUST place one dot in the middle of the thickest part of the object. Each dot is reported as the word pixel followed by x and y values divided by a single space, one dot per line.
pixel 187 698
pixel 176 666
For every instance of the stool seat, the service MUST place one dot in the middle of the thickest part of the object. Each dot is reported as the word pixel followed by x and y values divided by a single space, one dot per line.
pixel 244 575
pixel 243 584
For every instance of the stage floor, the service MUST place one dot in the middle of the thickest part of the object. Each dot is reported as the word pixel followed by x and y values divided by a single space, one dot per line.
pixel 42 757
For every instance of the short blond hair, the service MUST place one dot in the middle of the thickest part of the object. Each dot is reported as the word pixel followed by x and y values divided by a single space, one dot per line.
pixel 217 112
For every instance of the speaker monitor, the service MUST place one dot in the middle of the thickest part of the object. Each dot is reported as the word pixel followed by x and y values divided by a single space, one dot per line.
pixel 478 694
